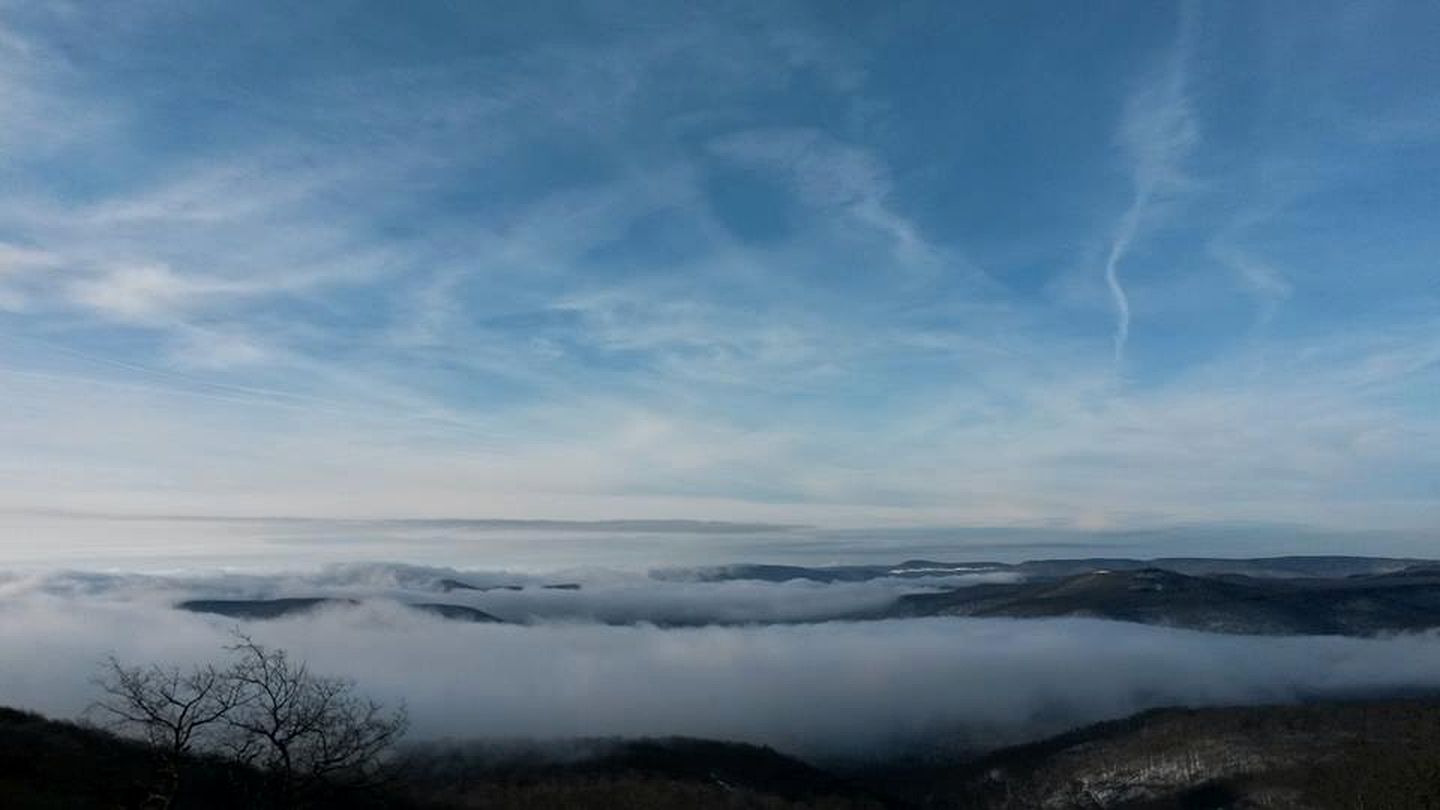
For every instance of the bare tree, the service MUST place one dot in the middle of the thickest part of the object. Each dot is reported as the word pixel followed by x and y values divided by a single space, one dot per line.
pixel 305 730
pixel 301 730
pixel 175 711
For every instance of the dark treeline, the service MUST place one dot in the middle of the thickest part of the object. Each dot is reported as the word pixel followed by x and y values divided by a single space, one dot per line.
pixel 50 765
pixel 1351 756
pixel 260 730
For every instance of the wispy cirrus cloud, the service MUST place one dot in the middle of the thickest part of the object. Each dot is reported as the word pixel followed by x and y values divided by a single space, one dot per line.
pixel 1157 131
pixel 838 179
pixel 695 265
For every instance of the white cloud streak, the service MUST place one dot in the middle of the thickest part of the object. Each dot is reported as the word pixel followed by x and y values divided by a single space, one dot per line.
pixel 842 180
pixel 1157 131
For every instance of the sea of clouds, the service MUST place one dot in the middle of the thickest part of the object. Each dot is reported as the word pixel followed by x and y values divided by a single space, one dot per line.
pixel 818 689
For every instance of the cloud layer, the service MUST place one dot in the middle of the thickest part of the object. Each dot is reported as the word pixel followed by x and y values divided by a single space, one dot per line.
pixel 761 262
pixel 582 595
pixel 823 690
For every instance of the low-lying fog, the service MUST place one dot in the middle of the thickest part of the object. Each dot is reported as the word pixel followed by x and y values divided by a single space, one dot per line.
pixel 826 689
pixel 593 595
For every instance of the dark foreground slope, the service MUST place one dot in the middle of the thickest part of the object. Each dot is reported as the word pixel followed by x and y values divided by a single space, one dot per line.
pixel 49 765
pixel 675 772
pixel 1375 755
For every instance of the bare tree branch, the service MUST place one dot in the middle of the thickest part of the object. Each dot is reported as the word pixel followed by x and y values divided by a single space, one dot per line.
pixel 265 710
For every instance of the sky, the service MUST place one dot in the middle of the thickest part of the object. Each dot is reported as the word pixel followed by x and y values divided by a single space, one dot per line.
pixel 1091 266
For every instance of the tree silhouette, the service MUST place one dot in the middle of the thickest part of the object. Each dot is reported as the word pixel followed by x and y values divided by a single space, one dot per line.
pixel 304 732
pixel 176 711
pixel 307 731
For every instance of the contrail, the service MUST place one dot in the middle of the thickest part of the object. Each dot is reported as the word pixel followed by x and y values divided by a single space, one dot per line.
pixel 1118 247
pixel 1157 131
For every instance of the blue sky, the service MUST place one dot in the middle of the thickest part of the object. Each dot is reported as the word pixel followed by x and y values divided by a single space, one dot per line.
pixel 1096 265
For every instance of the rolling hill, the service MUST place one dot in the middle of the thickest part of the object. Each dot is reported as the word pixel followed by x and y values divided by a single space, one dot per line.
pixel 1353 605
pixel 262 609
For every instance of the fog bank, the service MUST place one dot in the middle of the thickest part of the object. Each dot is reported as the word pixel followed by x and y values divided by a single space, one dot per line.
pixel 588 595
pixel 829 689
